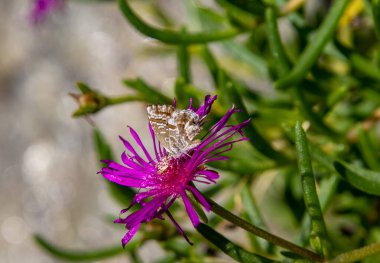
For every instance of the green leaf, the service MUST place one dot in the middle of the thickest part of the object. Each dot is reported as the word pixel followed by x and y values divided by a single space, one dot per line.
pixel 275 44
pixel 83 255
pixel 234 251
pixel 318 234
pixel 376 15
pixel 362 179
pixel 327 189
pixel 149 93
pixel 183 63
pixel 256 7
pixel 368 149
pixel 84 88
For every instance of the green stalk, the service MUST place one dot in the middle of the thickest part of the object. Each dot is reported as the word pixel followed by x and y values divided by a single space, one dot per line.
pixel 217 209
pixel 184 63
pixel 170 36
pixel 123 99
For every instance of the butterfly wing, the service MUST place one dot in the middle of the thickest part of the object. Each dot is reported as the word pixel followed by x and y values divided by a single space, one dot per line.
pixel 159 116
pixel 187 128
pixel 175 129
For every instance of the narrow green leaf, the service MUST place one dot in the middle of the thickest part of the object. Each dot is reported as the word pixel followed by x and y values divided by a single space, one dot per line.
pixel 256 7
pixel 238 16
pixel 234 251
pixel 83 255
pixel 149 93
pixel 364 66
pixel 318 234
pixel 275 44
pixel 170 36
pixel 362 179
pixel 84 88
pixel 376 15
pixel 120 193
pixel 315 47
pixel 183 58
pixel 327 190
pixel 368 149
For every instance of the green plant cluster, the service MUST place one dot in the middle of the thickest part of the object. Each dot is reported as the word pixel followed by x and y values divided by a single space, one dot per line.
pixel 314 150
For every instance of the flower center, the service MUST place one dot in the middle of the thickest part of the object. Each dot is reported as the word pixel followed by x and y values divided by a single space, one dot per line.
pixel 171 174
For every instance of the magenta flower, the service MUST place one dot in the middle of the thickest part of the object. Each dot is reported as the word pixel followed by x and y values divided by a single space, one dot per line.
pixel 162 178
pixel 42 8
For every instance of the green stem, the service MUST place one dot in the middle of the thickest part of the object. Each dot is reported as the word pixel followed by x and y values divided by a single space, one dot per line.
pixel 123 99
pixel 217 209
pixel 357 254
pixel 184 63
pixel 275 43
pixel 170 36
pixel 315 47
pixel 318 233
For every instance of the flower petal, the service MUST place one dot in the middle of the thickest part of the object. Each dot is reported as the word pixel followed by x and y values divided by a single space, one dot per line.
pixel 132 150
pixel 129 235
pixel 178 227
pixel 154 142
pixel 139 142
pixel 190 210
pixel 200 198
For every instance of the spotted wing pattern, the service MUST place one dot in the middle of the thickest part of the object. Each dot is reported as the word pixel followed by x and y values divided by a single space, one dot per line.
pixel 175 129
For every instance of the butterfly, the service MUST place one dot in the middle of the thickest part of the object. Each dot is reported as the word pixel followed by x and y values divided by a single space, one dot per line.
pixel 174 128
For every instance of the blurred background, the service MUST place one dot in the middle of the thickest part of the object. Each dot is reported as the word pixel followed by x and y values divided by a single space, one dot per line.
pixel 48 180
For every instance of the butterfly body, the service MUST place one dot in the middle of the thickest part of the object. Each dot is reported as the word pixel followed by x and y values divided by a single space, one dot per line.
pixel 175 129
